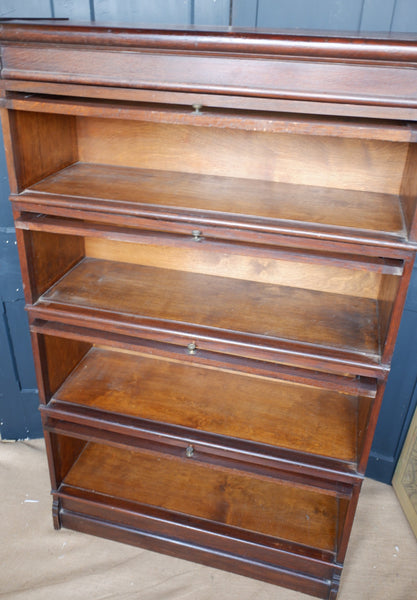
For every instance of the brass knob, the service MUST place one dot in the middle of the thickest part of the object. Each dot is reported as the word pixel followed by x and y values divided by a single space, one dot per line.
pixel 189 451
pixel 196 233
pixel 192 348
pixel 197 108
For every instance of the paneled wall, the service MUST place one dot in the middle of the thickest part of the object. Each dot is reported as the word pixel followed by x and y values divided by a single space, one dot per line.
pixel 18 401
pixel 352 15
pixel 19 415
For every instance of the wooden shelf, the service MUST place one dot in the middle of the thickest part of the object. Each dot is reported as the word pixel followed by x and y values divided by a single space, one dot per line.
pixel 147 192
pixel 311 420
pixel 222 495
pixel 219 305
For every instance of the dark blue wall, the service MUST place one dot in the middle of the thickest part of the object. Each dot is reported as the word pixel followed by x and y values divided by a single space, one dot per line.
pixel 400 397
pixel 18 400
pixel 19 416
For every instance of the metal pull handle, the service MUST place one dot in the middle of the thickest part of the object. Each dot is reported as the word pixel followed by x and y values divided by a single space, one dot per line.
pixel 189 451
pixel 192 348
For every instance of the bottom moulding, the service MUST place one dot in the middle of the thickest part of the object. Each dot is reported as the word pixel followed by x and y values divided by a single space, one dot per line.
pixel 181 548
pixel 260 526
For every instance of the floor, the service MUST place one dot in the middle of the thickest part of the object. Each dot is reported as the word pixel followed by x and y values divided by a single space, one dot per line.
pixel 38 563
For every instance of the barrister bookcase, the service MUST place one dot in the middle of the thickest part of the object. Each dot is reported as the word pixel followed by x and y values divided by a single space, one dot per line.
pixel 216 232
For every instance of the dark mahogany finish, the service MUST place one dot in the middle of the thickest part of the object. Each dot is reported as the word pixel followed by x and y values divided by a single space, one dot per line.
pixel 216 233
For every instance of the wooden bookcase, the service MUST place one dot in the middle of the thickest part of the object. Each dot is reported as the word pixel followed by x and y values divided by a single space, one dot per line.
pixel 216 233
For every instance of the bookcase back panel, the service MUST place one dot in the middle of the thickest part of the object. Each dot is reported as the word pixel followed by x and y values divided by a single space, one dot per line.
pixel 204 259
pixel 304 160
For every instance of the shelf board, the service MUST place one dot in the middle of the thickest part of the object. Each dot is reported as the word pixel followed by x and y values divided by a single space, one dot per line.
pixel 170 299
pixel 224 200
pixel 222 495
pixel 312 420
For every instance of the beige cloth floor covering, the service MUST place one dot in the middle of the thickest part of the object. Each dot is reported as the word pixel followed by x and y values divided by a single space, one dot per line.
pixel 38 563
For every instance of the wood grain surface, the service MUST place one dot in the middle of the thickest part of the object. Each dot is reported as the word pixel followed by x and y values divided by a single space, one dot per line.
pixel 323 319
pixel 351 279
pixel 223 495
pixel 362 165
pixel 242 406
pixel 42 144
pixel 365 210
